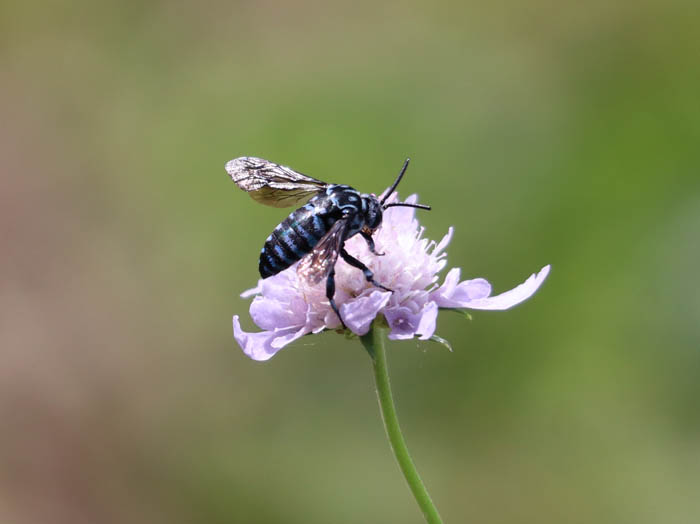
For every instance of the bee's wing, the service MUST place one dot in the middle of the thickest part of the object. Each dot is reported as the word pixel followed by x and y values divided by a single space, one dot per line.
pixel 315 266
pixel 272 184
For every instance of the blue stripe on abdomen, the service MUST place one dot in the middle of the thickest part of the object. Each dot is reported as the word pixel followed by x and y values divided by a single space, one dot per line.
pixel 282 254
pixel 305 234
pixel 318 228
pixel 290 240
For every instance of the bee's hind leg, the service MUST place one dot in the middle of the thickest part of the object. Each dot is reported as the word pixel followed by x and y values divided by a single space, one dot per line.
pixel 330 293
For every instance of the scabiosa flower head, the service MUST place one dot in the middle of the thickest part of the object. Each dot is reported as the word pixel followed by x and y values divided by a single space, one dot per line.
pixel 286 307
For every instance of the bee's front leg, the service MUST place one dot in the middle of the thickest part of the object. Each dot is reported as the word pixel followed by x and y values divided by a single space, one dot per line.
pixel 370 243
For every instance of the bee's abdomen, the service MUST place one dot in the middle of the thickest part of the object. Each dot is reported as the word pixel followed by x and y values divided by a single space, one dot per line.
pixel 291 240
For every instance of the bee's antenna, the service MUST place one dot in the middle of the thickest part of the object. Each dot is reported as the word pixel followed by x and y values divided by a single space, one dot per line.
pixel 406 204
pixel 396 182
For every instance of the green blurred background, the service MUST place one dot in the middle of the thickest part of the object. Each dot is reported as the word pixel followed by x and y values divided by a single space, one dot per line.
pixel 545 133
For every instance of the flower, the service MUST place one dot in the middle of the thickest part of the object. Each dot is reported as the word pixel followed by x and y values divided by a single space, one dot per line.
pixel 287 307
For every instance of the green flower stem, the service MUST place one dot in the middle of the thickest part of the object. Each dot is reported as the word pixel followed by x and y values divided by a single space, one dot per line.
pixel 374 344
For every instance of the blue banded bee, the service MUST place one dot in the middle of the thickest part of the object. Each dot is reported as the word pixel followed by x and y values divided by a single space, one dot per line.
pixel 316 232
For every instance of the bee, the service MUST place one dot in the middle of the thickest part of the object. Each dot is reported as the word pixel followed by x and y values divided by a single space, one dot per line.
pixel 316 232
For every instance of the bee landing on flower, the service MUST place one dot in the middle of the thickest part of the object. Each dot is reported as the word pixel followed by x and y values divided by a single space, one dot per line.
pixel 316 232
pixel 397 278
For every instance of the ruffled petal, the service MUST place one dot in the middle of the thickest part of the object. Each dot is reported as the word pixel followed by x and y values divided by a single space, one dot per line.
pixel 263 346
pixel 271 314
pixel 282 340
pixel 474 294
pixel 404 324
pixel 514 296
pixel 468 291
pixel 281 285
pixel 358 314
pixel 428 321
pixel 273 287
pixel 443 294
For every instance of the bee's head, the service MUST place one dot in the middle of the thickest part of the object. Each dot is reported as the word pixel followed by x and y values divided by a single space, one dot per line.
pixel 373 213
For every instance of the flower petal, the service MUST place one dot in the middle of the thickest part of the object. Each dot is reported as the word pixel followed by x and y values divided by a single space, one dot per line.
pixel 404 324
pixel 444 242
pixel 273 314
pixel 263 346
pixel 358 314
pixel 280 286
pixel 474 294
pixel 470 290
pixel 282 340
pixel 445 294
pixel 253 291
pixel 514 296
pixel 428 321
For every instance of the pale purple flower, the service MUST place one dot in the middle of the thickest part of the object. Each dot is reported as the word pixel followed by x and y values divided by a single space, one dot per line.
pixel 286 307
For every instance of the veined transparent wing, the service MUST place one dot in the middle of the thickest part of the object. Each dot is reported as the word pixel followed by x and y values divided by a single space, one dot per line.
pixel 315 266
pixel 272 184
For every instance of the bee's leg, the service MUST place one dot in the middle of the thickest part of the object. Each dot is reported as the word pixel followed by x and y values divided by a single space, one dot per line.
pixel 359 265
pixel 370 243
pixel 330 293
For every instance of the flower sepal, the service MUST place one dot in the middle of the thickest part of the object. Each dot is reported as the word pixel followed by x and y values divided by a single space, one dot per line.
pixel 461 312
pixel 442 342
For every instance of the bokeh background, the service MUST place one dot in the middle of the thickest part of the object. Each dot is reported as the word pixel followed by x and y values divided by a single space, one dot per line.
pixel 545 133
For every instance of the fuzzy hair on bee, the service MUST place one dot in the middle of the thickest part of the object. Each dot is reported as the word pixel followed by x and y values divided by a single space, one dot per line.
pixel 316 232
